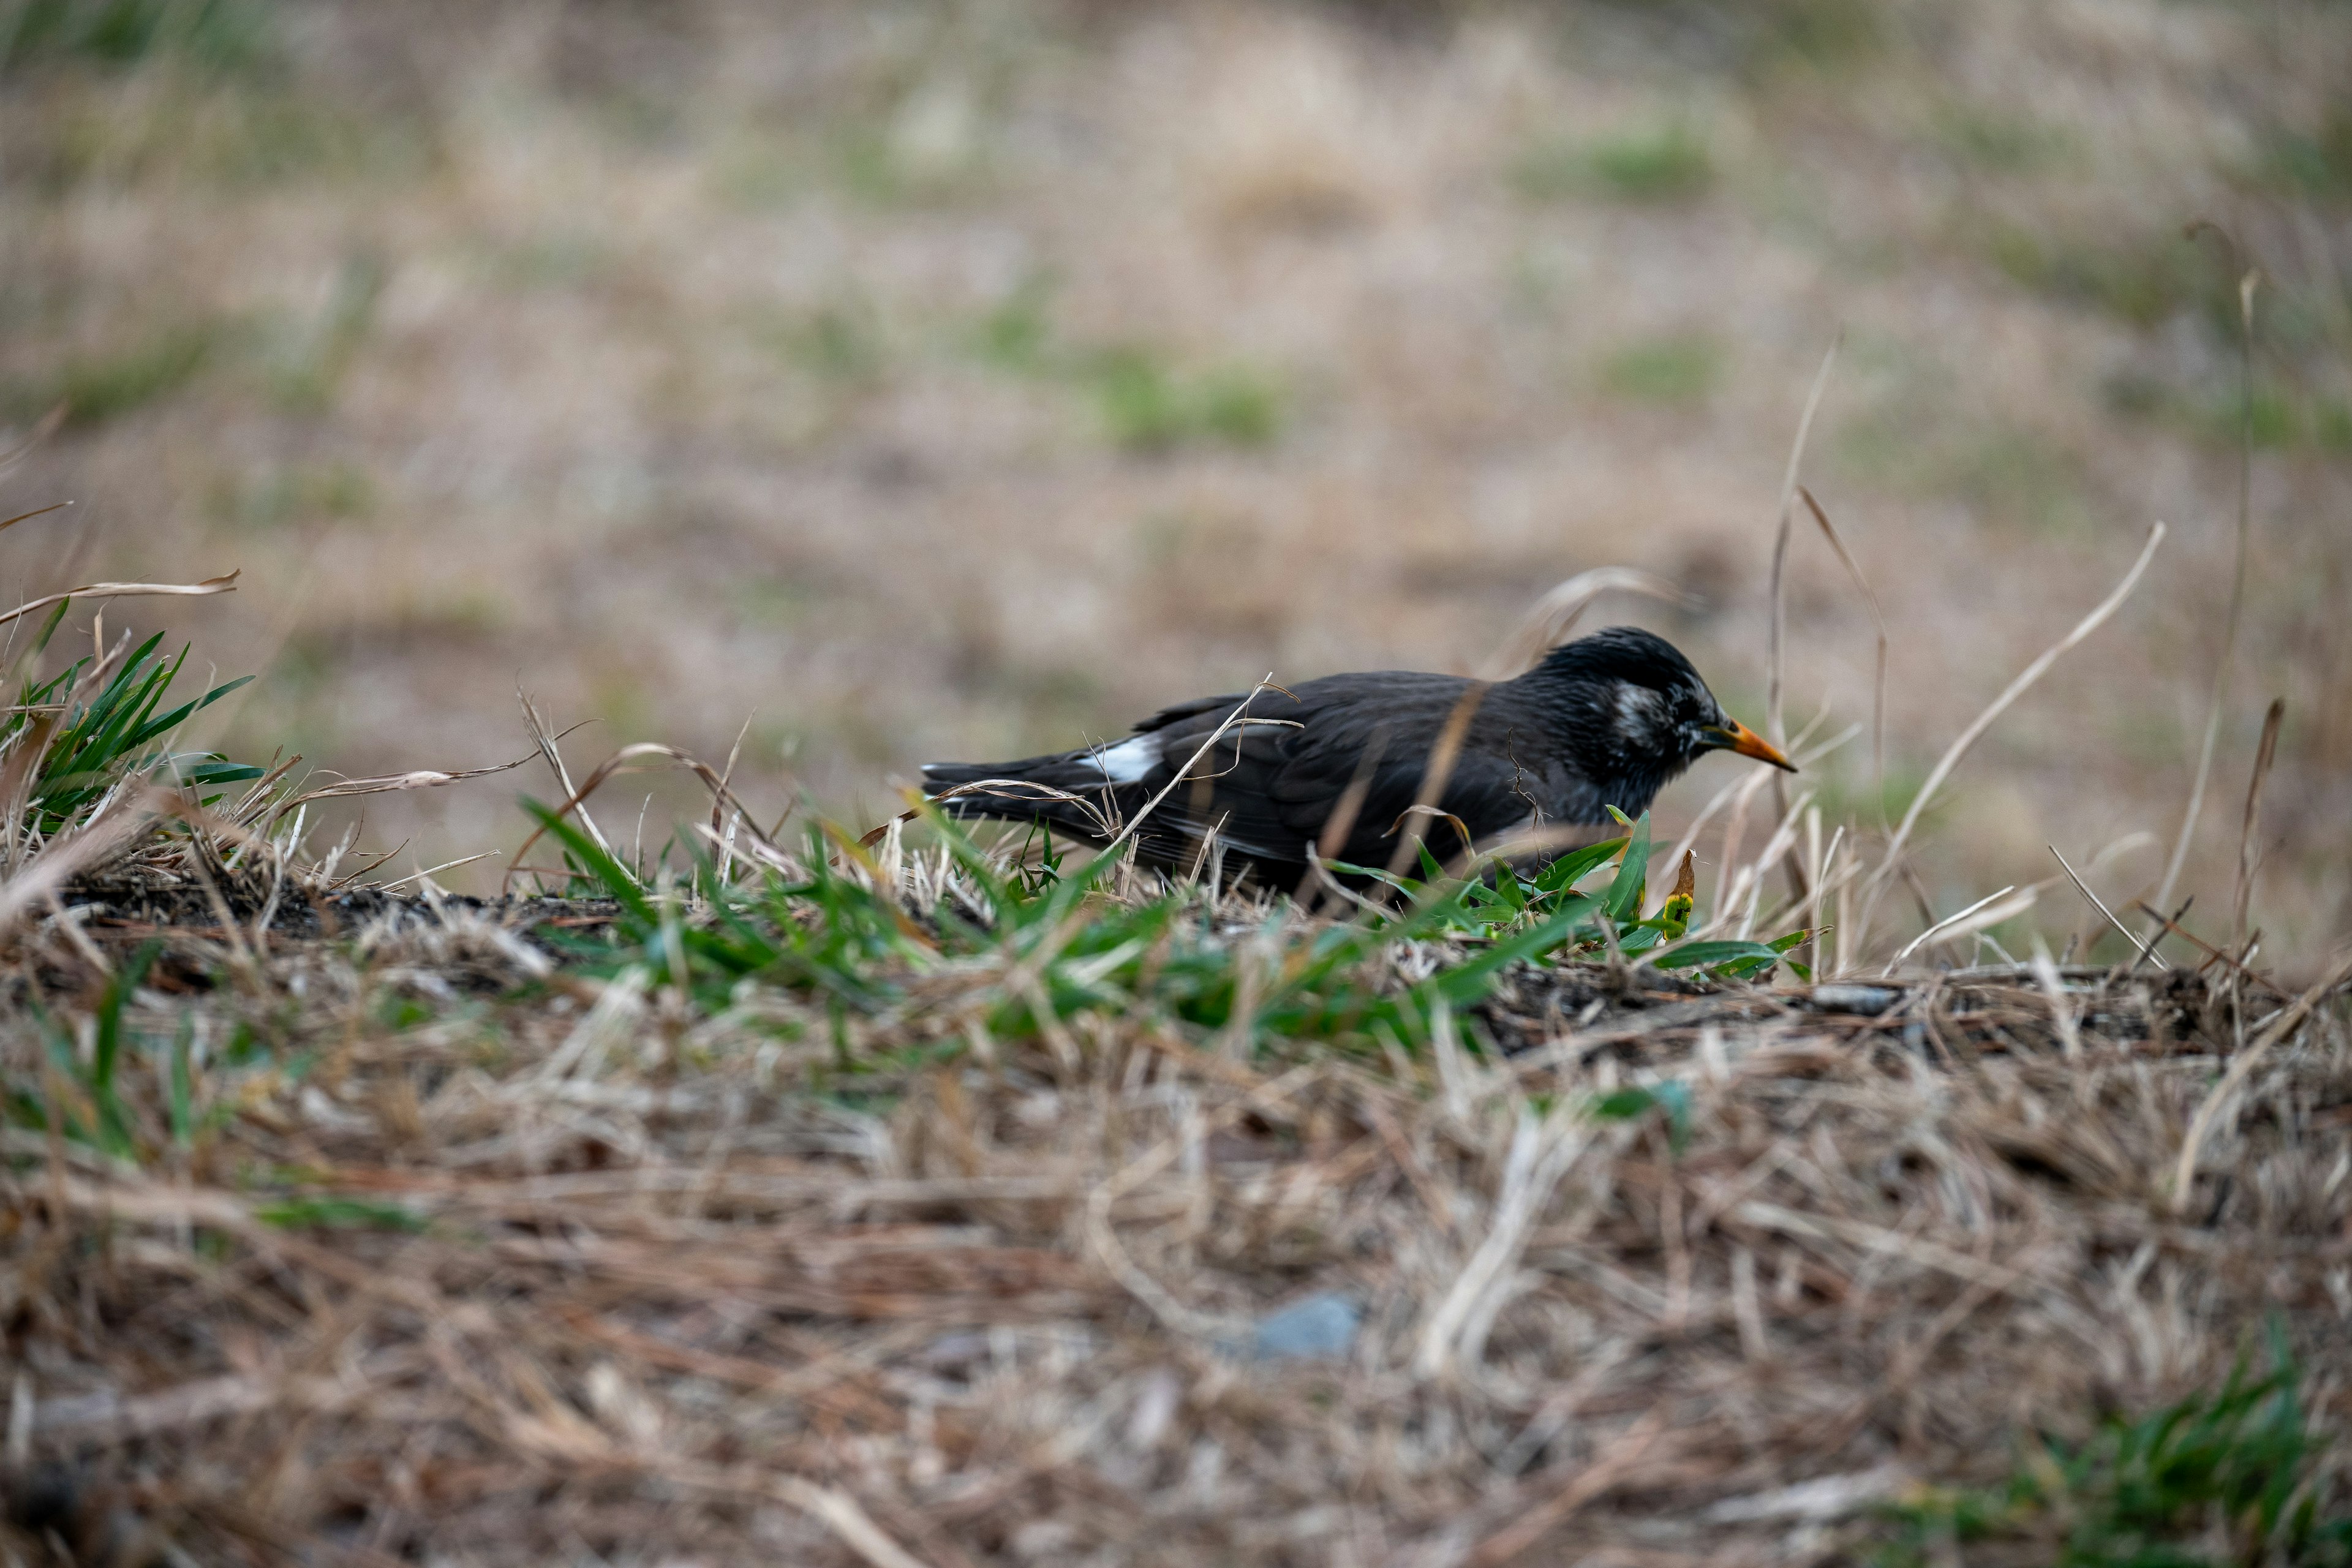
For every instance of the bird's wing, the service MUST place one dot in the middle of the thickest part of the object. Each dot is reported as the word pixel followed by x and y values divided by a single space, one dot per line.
pixel 1199 707
pixel 1226 792
pixel 1481 792
pixel 1275 782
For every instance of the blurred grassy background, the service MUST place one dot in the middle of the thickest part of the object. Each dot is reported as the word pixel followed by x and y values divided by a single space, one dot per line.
pixel 963 380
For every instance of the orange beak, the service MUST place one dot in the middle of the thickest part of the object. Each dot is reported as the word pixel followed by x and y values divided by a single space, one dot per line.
pixel 1735 736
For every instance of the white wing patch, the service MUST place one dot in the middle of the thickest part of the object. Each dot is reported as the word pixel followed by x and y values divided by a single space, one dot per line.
pixel 1129 761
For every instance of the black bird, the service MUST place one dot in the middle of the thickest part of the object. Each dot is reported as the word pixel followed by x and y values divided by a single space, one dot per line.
pixel 1337 765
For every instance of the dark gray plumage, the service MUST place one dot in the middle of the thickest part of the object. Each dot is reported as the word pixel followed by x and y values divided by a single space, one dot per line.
pixel 1604 720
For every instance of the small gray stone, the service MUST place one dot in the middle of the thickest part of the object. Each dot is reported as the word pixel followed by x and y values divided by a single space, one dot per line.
pixel 1868 1000
pixel 1321 1327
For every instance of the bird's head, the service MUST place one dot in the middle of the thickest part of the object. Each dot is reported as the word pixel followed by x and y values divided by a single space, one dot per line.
pixel 1643 709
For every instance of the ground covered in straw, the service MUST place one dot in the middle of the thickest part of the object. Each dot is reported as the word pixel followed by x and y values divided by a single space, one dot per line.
pixel 373 1231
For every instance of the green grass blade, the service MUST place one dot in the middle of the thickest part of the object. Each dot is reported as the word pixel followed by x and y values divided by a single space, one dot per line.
pixel 1466 983
pixel 115 703
pixel 1671 1097
pixel 1707 954
pixel 49 628
pixel 1564 872
pixel 106 1054
pixel 617 883
pixel 180 715
pixel 338 1213
pixel 1624 904
pixel 1404 885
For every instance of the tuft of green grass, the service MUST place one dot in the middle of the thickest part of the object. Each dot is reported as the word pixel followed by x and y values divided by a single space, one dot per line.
pixel 1017 334
pixel 2218 1478
pixel 1670 161
pixel 829 933
pixel 1136 395
pixel 1143 402
pixel 1237 405
pixel 193 129
pixel 89 1109
pixel 97 388
pixel 93 741
pixel 1826 34
pixel 1669 1097
pixel 2272 420
pixel 2009 474
pixel 227 35
pixel 2277 419
pixel 2143 282
pixel 1677 371
pixel 2314 163
pixel 2331 425
pixel 842 343
pixel 1146 405
pixel 308 1212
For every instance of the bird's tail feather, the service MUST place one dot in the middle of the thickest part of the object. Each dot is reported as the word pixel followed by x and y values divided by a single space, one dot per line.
pixel 1059 790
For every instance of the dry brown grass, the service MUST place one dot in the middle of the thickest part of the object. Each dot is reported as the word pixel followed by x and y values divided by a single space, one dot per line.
pixel 571 1274
pixel 660 363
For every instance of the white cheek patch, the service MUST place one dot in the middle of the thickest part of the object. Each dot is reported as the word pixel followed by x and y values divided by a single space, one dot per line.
pixel 1641 713
pixel 1129 761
